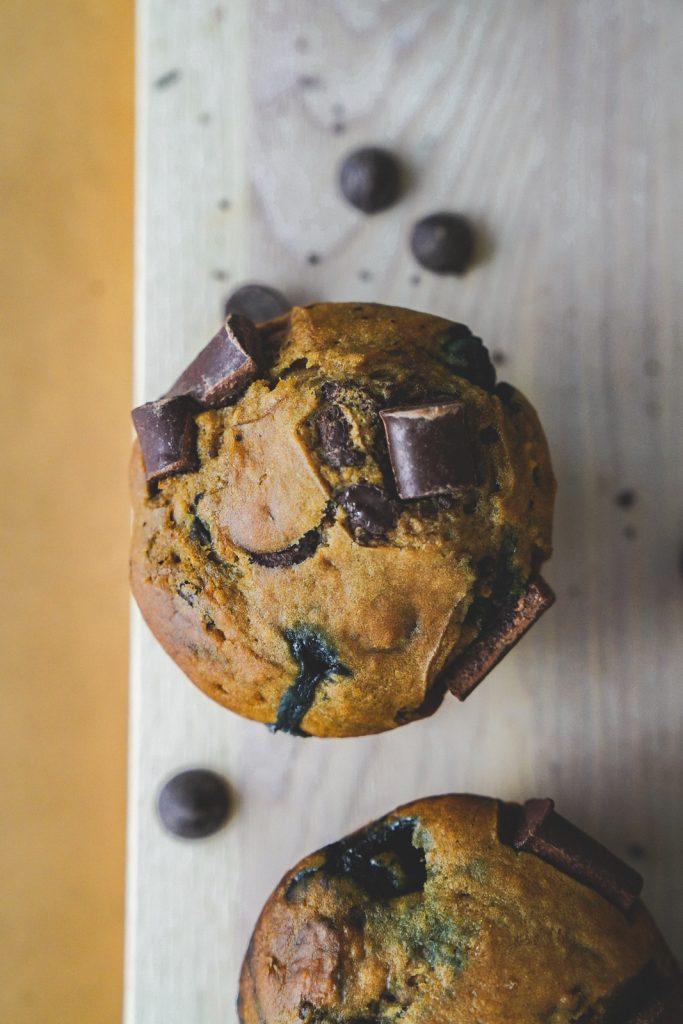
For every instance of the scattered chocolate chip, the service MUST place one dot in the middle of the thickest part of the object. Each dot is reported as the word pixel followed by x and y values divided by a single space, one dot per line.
pixel 625 498
pixel 309 81
pixel 166 431
pixel 429 448
pixel 224 367
pixel 498 358
pixel 537 828
pixel 636 851
pixel 313 259
pixel 194 803
pixel 414 279
pixel 225 204
pixel 169 78
pixel 443 243
pixel 500 636
pixel 334 436
pixel 368 509
pixel 317 660
pixel 338 128
pixel 369 179
pixel 257 301
pixel 630 532
pixel 468 357
pixel 365 275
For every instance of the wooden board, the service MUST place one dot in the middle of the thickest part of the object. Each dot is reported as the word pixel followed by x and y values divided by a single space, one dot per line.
pixel 556 127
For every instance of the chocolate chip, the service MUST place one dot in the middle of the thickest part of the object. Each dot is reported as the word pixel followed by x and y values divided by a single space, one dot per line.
pixel 224 367
pixel 381 859
pixel 368 509
pixel 536 828
pixel 334 435
pixel 194 803
pixel 468 357
pixel 429 448
pixel 443 243
pixel 317 660
pixel 166 431
pixel 625 498
pixel 200 533
pixel 370 178
pixel 257 301
pixel 468 670
pixel 489 435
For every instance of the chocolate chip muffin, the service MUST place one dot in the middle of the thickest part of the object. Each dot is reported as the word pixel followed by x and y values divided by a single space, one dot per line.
pixel 338 515
pixel 460 910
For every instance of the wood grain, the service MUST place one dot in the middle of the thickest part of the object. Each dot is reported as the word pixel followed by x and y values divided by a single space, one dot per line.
pixel 555 127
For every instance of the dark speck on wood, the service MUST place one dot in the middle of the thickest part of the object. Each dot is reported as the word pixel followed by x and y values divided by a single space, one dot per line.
pixel 169 78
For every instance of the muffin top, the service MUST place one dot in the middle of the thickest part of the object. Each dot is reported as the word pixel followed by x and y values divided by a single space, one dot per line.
pixel 444 912
pixel 344 530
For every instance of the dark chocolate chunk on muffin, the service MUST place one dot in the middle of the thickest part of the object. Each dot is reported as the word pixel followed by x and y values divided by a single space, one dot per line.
pixel 434 914
pixel 349 473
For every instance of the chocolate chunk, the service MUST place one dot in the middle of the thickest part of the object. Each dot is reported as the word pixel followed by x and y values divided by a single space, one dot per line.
pixel 306 546
pixel 194 803
pixel 429 448
pixel 368 509
pixel 334 435
pixel 443 243
pixel 370 179
pixel 224 367
pixel 317 660
pixel 468 357
pixel 257 301
pixel 537 828
pixel 166 431
pixel 649 997
pixel 500 636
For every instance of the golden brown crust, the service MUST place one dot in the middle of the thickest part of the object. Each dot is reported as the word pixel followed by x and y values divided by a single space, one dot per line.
pixel 490 935
pixel 250 567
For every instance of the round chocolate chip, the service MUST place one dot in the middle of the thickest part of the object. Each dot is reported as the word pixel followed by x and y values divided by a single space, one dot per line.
pixel 258 302
pixel 443 242
pixel 368 509
pixel 194 803
pixel 370 179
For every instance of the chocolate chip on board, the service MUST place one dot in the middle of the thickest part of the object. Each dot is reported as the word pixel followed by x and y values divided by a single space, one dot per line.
pixel 443 243
pixel 257 301
pixel 368 509
pixel 369 179
pixel 537 828
pixel 472 666
pixel 429 448
pixel 166 431
pixel 224 367
pixel 194 803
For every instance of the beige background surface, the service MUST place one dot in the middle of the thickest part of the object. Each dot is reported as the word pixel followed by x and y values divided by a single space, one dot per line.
pixel 65 298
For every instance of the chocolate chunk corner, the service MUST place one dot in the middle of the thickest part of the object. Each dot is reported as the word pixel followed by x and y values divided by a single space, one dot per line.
pixel 166 431
pixel 429 448
pixel 483 654
pixel 224 367
pixel 368 509
pixel 538 829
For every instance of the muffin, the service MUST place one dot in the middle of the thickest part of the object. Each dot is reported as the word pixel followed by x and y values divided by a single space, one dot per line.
pixel 460 910
pixel 338 515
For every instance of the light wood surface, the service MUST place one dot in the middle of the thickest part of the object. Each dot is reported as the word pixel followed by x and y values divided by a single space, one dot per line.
pixel 66 296
pixel 556 127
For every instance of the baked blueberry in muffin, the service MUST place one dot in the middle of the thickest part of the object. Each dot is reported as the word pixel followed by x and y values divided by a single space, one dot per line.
pixel 460 910
pixel 338 515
